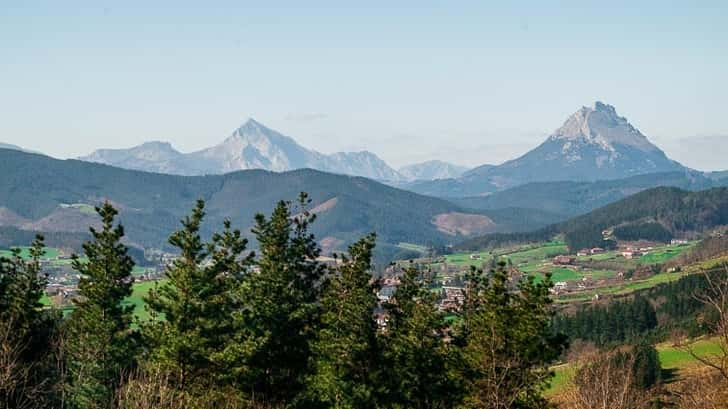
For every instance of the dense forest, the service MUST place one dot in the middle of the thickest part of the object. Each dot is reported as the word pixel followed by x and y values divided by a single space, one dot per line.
pixel 569 198
pixel 677 211
pixel 643 231
pixel 272 329
pixel 636 317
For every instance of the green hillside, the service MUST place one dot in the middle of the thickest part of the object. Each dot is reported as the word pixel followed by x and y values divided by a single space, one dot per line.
pixel 51 194
pixel 570 199
pixel 651 214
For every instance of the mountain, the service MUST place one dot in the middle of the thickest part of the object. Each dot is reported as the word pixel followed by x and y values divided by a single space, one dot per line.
pixel 593 144
pixel 570 199
pixel 38 193
pixel 251 146
pixel 431 170
pixel 653 214
pixel 14 147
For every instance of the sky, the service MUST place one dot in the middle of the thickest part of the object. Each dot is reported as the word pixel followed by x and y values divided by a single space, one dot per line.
pixel 471 82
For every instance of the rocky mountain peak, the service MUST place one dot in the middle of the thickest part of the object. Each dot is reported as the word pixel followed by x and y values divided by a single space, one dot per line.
pixel 601 125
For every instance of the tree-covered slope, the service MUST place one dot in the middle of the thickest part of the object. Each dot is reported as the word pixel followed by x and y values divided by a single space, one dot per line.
pixel 45 191
pixel 571 199
pixel 679 212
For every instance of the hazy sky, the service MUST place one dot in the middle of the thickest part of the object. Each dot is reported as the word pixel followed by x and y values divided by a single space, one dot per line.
pixel 469 82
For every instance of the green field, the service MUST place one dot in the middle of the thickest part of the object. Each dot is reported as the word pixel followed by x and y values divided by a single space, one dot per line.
pixel 563 274
pixel 527 259
pixel 671 357
pixel 413 247
pixel 139 290
pixel 663 254
pixel 49 253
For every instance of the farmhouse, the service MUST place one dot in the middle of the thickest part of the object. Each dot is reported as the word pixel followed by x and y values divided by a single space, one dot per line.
pixel 563 260
pixel 630 254
pixel 583 252
pixel 597 250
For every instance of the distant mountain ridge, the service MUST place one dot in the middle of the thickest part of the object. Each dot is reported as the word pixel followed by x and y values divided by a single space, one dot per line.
pixel 593 144
pixel 251 146
pixel 432 170
pixel 39 193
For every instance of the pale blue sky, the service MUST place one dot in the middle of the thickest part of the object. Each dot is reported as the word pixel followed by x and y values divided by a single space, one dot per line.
pixel 470 82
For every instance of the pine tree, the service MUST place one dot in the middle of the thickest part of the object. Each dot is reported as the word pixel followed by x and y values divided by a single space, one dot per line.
pixel 192 310
pixel 281 311
pixel 99 344
pixel 345 350
pixel 27 331
pixel 507 341
pixel 418 362
pixel 22 284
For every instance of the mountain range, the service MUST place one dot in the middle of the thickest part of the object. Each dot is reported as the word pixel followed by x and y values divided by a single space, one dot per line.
pixel 594 143
pixel 255 146
pixel 39 193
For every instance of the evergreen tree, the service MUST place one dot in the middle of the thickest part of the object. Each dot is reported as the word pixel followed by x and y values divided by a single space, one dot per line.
pixel 345 350
pixel 507 341
pixel 281 312
pixel 100 345
pixel 192 309
pixel 22 284
pixel 27 331
pixel 647 369
pixel 417 360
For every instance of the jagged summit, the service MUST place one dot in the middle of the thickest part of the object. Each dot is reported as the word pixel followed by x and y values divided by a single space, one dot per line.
pixel 250 146
pixel 601 125
pixel 594 143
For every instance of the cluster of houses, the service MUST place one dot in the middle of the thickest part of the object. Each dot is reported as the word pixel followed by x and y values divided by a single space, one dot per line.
pixel 634 252
pixel 452 299
pixel 588 252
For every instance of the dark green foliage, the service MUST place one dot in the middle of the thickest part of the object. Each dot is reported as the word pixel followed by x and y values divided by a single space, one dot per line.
pixel 345 352
pixel 643 231
pixel 99 345
pixel 508 343
pixel 569 198
pixel 22 285
pixel 12 236
pixel 615 323
pixel 27 332
pixel 647 370
pixel 635 318
pixel 506 239
pixel 192 310
pixel 419 365
pixel 281 311
pixel 676 210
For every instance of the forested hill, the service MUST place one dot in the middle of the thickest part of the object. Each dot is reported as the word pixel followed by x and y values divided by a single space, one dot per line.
pixel 654 214
pixel 44 194
pixel 570 199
